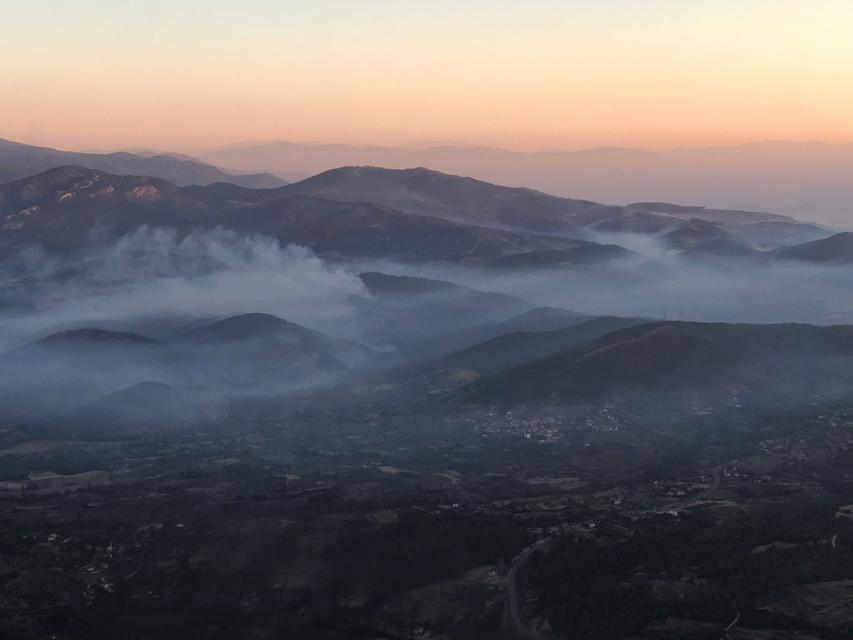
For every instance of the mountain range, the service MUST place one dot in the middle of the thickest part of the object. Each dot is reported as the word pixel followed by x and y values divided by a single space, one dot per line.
pixel 19 160
pixel 415 215
pixel 673 356
pixel 248 353
pixel 810 180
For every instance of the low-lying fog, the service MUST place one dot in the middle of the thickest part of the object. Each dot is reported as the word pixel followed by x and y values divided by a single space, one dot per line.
pixel 165 291
pixel 669 286
pixel 154 275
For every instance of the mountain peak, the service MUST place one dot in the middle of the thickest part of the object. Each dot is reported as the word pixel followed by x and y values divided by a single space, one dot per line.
pixel 19 160
pixel 92 336
pixel 836 249
pixel 71 184
pixel 245 326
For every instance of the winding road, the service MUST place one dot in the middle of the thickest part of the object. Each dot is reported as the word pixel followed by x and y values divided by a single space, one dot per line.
pixel 513 595
pixel 515 621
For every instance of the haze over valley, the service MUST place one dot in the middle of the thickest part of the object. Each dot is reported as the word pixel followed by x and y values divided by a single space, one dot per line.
pixel 423 307
pixel 578 365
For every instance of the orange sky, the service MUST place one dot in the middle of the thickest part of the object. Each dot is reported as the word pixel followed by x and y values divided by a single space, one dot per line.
pixel 543 73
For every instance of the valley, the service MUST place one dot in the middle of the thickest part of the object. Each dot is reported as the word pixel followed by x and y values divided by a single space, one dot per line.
pixel 402 404
pixel 396 320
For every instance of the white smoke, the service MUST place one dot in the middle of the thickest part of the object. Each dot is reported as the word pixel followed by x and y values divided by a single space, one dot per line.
pixel 155 273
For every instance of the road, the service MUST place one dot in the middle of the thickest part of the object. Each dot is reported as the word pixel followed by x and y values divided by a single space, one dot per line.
pixel 513 595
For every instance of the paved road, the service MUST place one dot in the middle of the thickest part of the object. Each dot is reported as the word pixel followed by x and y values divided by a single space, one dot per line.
pixel 513 595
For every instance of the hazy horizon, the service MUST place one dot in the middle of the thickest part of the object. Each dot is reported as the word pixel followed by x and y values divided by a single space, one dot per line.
pixel 809 180
pixel 544 75
pixel 420 145
pixel 740 105
pixel 426 319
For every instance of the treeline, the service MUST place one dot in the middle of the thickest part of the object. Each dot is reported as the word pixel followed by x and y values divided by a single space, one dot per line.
pixel 592 590
pixel 421 548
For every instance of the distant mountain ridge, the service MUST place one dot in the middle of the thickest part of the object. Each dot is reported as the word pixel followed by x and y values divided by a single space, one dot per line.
pixel 463 199
pixel 414 215
pixel 19 161
pixel 58 210
pixel 460 198
pixel 808 180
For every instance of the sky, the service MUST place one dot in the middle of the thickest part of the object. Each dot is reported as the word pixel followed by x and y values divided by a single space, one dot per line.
pixel 195 74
